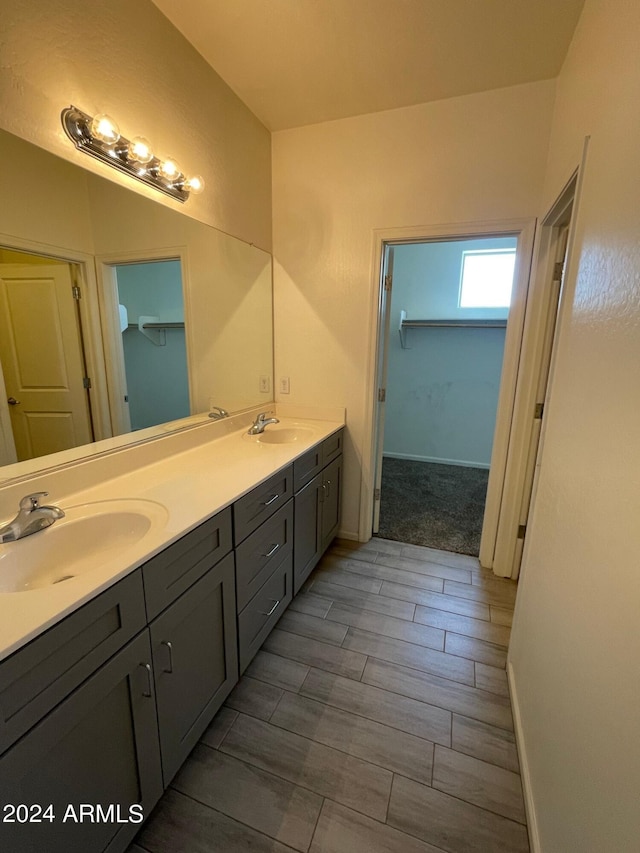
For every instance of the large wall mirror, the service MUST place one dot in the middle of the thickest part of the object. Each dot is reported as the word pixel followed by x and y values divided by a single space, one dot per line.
pixel 118 315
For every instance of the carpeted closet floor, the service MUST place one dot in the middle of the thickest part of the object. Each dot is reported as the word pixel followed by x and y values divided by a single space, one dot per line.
pixel 440 506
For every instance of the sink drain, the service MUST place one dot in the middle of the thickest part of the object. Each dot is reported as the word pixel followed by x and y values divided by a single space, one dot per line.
pixel 64 578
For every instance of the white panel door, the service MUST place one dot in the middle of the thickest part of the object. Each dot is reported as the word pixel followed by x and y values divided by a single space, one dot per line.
pixel 42 359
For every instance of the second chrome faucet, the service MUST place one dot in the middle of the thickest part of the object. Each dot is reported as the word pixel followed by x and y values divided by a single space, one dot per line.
pixel 260 423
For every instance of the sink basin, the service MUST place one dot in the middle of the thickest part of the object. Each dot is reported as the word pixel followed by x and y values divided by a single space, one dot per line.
pixel 276 434
pixel 89 535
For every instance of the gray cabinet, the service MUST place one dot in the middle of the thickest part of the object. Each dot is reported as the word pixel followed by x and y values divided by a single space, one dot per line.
pixel 195 662
pixel 103 708
pixel 99 746
pixel 317 507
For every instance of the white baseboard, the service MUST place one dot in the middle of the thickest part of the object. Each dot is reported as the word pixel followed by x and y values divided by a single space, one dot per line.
pixel 438 461
pixel 532 822
pixel 347 534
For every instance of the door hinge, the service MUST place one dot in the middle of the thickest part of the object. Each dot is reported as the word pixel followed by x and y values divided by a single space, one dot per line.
pixel 86 382
pixel 388 282
pixel 558 269
pixel 522 529
pixel 75 290
pixel 382 395
pixel 538 411
pixel 376 494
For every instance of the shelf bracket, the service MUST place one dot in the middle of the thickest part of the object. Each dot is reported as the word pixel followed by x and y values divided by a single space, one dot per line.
pixel 156 336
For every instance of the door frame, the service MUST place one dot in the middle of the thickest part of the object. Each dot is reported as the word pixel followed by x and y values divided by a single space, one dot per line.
pixel 89 317
pixel 541 323
pixel 112 337
pixel 524 230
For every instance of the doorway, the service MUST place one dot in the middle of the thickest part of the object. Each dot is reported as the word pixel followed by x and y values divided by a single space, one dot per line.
pixel 524 231
pixel 154 387
pixel 448 308
pixel 46 406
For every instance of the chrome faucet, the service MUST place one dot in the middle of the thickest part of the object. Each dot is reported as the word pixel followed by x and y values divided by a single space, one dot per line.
pixel 31 518
pixel 260 423
pixel 217 413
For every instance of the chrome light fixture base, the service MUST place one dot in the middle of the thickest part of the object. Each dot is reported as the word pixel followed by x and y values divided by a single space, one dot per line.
pixel 77 125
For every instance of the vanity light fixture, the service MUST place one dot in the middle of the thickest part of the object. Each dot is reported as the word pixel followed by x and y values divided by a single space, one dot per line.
pixel 100 136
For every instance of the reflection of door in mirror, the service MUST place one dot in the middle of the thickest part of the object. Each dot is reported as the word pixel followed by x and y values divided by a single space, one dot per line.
pixel 42 357
pixel 153 341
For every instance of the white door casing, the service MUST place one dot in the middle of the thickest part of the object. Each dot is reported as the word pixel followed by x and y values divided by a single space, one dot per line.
pixel 524 231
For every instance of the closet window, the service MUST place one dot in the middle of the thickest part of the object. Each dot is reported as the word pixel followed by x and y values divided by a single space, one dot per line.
pixel 486 278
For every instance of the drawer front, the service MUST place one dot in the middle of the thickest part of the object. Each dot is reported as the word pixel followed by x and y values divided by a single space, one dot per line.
pixel 332 447
pixel 263 611
pixel 306 467
pixel 180 565
pixel 261 552
pixel 43 673
pixel 260 504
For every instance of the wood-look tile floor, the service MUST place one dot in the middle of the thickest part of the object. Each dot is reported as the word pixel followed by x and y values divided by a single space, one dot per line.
pixel 376 717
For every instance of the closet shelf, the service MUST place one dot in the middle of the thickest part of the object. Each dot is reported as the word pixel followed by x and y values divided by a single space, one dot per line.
pixel 444 324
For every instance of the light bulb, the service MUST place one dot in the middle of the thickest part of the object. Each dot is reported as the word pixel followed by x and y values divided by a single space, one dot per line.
pixel 169 169
pixel 104 128
pixel 195 184
pixel 139 150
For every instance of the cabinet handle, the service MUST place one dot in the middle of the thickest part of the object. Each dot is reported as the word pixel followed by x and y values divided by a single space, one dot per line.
pixel 328 487
pixel 271 500
pixel 272 609
pixel 170 647
pixel 324 493
pixel 147 667
pixel 272 551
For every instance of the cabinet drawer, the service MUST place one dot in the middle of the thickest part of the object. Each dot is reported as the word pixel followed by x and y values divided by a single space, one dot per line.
pixel 43 673
pixel 306 467
pixel 261 552
pixel 180 565
pixel 251 510
pixel 263 611
pixel 332 447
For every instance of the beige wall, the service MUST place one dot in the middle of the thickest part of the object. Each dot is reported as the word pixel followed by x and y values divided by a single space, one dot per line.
pixel 576 641
pixel 474 158
pixel 127 60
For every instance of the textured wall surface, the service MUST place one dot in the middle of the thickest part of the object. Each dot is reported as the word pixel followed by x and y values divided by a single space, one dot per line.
pixel 475 158
pixel 127 60
pixel 576 644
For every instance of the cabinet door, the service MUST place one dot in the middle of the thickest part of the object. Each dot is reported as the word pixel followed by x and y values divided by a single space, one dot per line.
pixel 100 746
pixel 307 531
pixel 195 662
pixel 331 501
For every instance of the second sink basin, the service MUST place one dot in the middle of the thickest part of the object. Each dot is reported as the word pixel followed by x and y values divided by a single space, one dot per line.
pixel 84 539
pixel 281 434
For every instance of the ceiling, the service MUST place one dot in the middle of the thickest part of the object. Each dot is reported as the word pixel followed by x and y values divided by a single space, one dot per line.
pixel 297 62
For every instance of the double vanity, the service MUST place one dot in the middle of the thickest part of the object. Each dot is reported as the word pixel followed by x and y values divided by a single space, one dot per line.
pixel 125 625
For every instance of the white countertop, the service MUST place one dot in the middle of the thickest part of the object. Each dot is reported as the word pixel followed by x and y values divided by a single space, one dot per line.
pixel 191 486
